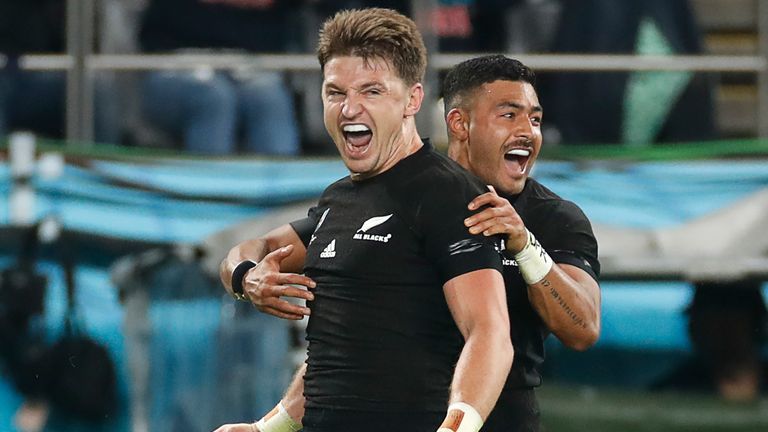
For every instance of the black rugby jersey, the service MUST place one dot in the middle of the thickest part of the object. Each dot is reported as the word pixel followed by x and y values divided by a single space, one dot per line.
pixel 381 336
pixel 566 234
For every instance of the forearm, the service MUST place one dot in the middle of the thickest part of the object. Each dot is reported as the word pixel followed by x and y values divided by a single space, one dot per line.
pixel 253 250
pixel 568 307
pixel 258 248
pixel 286 415
pixel 482 370
pixel 293 399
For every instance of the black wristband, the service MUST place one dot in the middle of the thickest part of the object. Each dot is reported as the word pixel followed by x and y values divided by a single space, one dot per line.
pixel 237 278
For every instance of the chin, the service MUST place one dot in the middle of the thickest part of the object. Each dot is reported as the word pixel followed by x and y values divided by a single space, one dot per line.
pixel 514 186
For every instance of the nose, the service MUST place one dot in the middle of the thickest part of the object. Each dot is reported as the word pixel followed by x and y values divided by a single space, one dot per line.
pixel 524 127
pixel 351 107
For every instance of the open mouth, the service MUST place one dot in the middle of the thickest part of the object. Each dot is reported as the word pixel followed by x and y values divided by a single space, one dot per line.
pixel 517 159
pixel 358 136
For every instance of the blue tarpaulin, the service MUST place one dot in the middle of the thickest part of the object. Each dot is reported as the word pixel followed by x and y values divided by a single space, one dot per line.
pixel 181 200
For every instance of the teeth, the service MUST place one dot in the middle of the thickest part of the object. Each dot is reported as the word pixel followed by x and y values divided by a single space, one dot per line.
pixel 356 128
pixel 519 152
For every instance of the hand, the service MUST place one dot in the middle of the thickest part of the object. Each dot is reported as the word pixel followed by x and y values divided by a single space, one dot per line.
pixel 498 218
pixel 264 285
pixel 238 427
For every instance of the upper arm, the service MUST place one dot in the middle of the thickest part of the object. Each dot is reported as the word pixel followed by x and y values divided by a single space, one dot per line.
pixel 449 245
pixel 477 300
pixel 567 236
pixel 256 249
pixel 283 236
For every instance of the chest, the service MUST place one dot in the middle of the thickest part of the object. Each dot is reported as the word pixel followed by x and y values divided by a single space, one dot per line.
pixel 364 239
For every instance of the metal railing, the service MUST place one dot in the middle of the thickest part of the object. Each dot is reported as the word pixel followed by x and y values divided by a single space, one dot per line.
pixel 81 64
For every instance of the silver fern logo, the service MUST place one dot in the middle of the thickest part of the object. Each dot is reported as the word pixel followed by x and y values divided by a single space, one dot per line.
pixel 362 232
pixel 322 219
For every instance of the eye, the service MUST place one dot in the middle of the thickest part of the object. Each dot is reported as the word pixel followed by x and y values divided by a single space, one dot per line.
pixel 373 92
pixel 536 120
pixel 509 115
pixel 334 94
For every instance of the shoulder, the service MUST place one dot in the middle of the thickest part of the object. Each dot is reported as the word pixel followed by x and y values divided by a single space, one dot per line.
pixel 540 201
pixel 338 186
pixel 440 173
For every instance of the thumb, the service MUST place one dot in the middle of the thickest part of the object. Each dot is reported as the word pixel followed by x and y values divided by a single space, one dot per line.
pixel 279 254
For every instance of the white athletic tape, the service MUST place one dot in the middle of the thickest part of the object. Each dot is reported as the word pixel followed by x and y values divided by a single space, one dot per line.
pixel 533 261
pixel 278 420
pixel 461 417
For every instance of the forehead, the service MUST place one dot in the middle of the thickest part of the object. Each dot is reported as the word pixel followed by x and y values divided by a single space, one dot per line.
pixel 348 70
pixel 503 91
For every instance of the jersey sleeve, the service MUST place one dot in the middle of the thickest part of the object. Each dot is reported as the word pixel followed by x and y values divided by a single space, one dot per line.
pixel 447 240
pixel 306 226
pixel 573 241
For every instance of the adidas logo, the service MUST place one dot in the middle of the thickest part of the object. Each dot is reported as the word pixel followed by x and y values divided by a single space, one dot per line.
pixel 330 250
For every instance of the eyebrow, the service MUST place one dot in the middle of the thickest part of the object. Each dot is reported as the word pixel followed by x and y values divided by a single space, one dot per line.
pixel 362 86
pixel 536 108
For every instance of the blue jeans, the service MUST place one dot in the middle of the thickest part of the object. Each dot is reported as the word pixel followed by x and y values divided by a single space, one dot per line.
pixel 34 100
pixel 208 110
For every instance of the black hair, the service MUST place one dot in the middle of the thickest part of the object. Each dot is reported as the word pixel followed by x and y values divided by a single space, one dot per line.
pixel 467 76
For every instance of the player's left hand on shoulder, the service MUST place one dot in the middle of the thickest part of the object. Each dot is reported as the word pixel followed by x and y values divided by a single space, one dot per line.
pixel 496 217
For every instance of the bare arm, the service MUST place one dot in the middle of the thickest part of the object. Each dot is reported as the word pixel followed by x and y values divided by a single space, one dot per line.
pixel 477 302
pixel 567 299
pixel 279 255
pixel 293 399
pixel 293 402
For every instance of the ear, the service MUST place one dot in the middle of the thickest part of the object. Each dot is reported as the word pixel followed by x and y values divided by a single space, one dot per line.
pixel 458 126
pixel 414 100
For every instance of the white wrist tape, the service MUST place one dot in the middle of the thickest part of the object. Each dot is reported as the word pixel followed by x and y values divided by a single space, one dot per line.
pixel 278 420
pixel 461 417
pixel 533 261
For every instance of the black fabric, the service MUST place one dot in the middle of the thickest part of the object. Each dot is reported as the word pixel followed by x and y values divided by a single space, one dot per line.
pixel 381 337
pixel 22 293
pixel 75 373
pixel 81 375
pixel 238 274
pixel 566 234
pixel 83 381
pixel 517 410
pixel 32 26
pixel 324 420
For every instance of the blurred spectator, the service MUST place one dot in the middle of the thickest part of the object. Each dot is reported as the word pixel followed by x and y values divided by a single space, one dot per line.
pixel 34 100
pixel 451 21
pixel 635 108
pixel 727 324
pixel 210 109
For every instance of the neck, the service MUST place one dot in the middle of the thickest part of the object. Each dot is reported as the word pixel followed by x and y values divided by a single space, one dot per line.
pixel 405 144
pixel 457 150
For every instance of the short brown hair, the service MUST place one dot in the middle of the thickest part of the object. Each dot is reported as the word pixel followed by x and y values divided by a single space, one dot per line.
pixel 375 33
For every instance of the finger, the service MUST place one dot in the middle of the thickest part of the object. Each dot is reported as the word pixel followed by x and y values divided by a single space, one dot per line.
pixel 295 292
pixel 263 294
pixel 296 279
pixel 278 254
pixel 492 224
pixel 488 198
pixel 280 314
pixel 503 214
pixel 285 306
